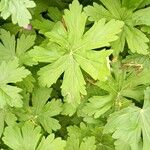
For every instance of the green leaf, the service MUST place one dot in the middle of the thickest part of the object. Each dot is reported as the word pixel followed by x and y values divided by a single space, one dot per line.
pixel 97 12
pixel 17 9
pixel 54 13
pixel 95 67
pixel 75 21
pixel 114 7
pixel 101 34
pixel 128 124
pixel 76 52
pixel 44 54
pixel 10 48
pixel 73 84
pixel 44 5
pixel 54 70
pixel 141 17
pixel 139 61
pixel 102 141
pixel 46 25
pixel 133 4
pixel 27 137
pixel 6 117
pixel 98 105
pixel 146 29
pixel 145 3
pixel 42 112
pixel 27 84
pixel 87 144
pixel 137 41
pixel 122 145
pixel 7 45
pixel 122 85
pixel 24 43
pixel 46 117
pixel 10 72
pixel 118 45
pixel 69 109
pixel 1 123
pixel 43 25
pixel 10 95
pixel 51 143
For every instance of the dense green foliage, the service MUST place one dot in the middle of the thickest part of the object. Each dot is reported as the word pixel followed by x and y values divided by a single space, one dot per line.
pixel 74 75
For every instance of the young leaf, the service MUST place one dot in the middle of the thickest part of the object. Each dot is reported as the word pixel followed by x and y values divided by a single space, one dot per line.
pixel 17 9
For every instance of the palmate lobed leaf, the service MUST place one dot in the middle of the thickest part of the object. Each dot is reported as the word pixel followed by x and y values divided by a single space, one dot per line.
pixel 128 124
pixel 27 84
pixel 87 131
pixel 76 53
pixel 73 143
pixel 122 86
pixel 140 61
pixel 98 105
pixel 73 84
pixel 17 9
pixel 10 72
pixel 41 112
pixel 132 36
pixel 141 16
pixel 27 137
pixel 126 80
pixel 52 143
pixel 134 4
pixel 11 48
pixel 45 25
pixel 74 58
pixel 7 117
pixel 125 11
